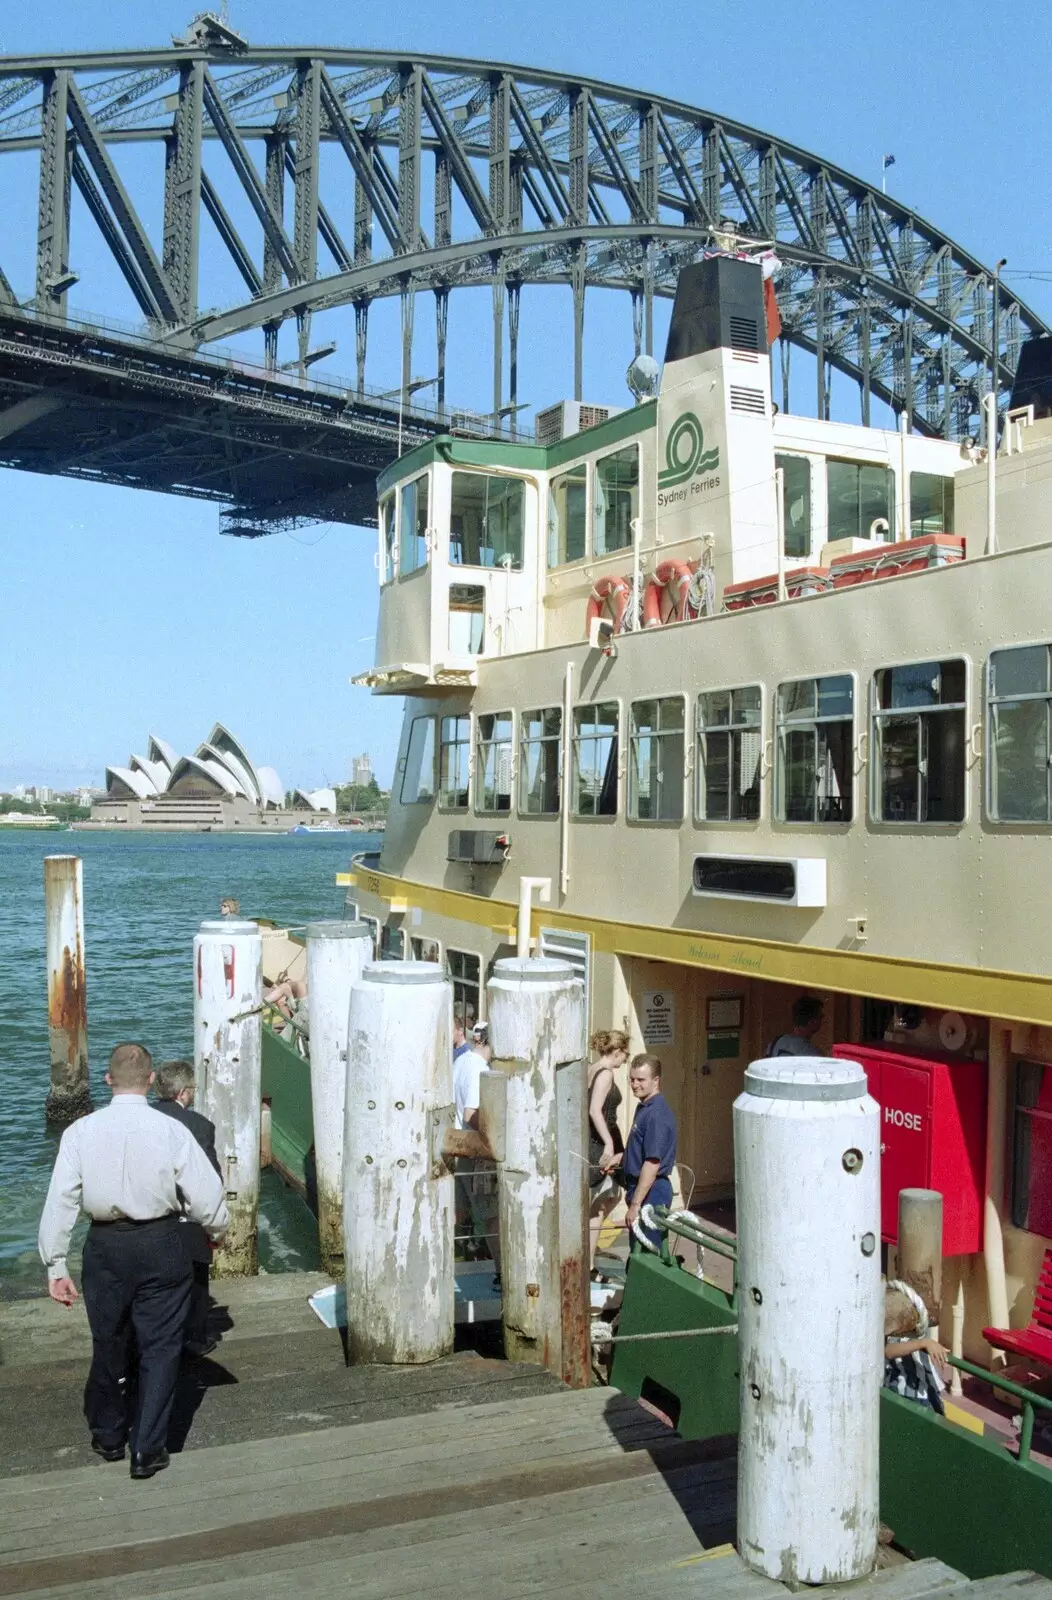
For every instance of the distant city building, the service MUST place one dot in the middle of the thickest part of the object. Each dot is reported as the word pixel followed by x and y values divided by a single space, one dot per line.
pixel 44 793
pixel 18 792
pixel 361 771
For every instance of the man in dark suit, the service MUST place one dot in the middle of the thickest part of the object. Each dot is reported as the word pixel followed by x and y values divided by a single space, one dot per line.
pixel 175 1096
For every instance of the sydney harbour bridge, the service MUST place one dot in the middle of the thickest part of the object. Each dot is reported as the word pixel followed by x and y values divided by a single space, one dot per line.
pixel 322 179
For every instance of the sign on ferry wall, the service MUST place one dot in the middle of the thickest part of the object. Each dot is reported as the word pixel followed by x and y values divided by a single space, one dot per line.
pixel 715 462
pixel 659 1018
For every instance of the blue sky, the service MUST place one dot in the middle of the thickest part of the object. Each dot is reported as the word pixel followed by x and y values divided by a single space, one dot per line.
pixel 126 613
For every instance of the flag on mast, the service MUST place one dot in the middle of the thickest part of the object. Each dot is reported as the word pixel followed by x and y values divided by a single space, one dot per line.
pixel 889 161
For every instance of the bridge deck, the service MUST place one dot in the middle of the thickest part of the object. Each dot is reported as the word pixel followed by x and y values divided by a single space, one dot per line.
pixel 298 1473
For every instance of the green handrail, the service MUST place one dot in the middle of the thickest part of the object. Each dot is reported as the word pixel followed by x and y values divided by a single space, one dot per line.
pixel 1016 1390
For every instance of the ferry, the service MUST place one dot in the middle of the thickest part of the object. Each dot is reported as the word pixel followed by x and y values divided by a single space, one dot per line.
pixel 728 707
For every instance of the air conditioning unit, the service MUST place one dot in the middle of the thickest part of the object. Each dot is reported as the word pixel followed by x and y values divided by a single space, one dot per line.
pixel 482 846
pixel 569 417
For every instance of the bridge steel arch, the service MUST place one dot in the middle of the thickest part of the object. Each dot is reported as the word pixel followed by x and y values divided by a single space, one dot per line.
pixel 367 174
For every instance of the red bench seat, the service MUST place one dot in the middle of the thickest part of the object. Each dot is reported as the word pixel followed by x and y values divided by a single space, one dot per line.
pixel 1035 1340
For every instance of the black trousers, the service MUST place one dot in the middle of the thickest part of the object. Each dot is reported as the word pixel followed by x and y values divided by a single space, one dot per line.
pixel 136 1280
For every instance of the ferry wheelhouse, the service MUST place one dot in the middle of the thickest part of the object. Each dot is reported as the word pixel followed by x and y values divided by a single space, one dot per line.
pixel 727 706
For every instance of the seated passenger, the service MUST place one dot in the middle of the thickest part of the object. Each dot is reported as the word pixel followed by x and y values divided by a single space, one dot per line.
pixel 915 1364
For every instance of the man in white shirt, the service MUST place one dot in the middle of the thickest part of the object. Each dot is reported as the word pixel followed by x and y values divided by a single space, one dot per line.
pixel 134 1172
pixel 476 1177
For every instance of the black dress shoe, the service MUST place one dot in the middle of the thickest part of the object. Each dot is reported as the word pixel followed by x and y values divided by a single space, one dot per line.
pixel 200 1347
pixel 108 1452
pixel 144 1466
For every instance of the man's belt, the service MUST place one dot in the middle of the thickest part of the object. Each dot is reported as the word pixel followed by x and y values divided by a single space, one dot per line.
pixel 134 1222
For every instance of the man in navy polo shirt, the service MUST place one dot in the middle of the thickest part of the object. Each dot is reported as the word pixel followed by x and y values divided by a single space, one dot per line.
pixel 650 1153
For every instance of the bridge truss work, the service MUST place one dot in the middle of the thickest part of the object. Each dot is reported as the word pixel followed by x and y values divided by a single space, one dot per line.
pixel 324 179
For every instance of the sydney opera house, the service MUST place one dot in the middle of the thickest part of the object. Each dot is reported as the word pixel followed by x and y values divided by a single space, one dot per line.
pixel 219 786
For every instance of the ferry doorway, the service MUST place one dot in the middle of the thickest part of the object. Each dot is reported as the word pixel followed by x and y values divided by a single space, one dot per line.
pixel 705 1027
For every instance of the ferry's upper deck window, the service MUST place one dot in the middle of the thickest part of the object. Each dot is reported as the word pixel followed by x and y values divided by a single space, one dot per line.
pixel 918 742
pixel 860 494
pixel 815 727
pixel 412 536
pixel 454 763
pixel 464 970
pixel 656 766
pixel 486 519
pixel 616 499
pixel 418 779
pixel 931 504
pixel 730 743
pixel 392 943
pixel 796 503
pixel 567 516
pixel 595 754
pixel 540 762
pixel 388 542
pixel 467 619
pixel 495 761
pixel 1019 735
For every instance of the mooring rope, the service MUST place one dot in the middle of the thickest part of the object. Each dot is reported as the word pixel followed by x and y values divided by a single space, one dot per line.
pixel 600 1337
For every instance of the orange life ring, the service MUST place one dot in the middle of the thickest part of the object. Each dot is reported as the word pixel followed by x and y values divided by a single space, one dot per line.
pixel 671 581
pixel 613 592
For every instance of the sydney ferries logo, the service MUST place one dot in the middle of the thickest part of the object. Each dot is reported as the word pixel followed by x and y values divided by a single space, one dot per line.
pixel 685 452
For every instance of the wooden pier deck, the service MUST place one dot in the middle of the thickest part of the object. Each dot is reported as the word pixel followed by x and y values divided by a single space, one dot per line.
pixel 298 1475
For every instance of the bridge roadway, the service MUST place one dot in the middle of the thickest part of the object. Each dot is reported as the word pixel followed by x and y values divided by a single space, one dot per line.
pixel 272 448
pixel 297 1473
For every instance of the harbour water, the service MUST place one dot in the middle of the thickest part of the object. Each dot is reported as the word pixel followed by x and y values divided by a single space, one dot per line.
pixel 144 896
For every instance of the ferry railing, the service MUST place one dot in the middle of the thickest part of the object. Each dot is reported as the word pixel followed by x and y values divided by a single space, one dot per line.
pixel 697 1233
pixel 1030 1400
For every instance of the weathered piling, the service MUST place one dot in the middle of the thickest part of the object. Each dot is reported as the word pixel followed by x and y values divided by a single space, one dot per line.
pixel 336 956
pixel 537 1030
pixel 919 1251
pixel 807 1177
pixel 228 1001
pixel 398 1191
pixel 69 1094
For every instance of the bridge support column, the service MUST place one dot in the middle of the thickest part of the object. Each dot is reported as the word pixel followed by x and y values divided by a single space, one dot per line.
pixel 228 1037
pixel 398 1214
pixel 361 339
pixel 579 263
pixel 336 956
pixel 498 344
pixel 441 326
pixel 408 311
pixel 514 294
pixel 807 1179
pixel 537 1028
pixel 67 1000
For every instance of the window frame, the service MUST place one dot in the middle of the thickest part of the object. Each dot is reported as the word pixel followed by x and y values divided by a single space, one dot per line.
pixel 421 939
pixel 779 726
pixel 877 715
pixel 481 809
pixel 418 533
pixel 731 728
pixel 374 923
pixel 466 744
pixel 947 480
pixel 631 798
pixel 480 986
pixel 388 538
pixel 808 461
pixel 523 789
pixel 589 705
pixel 496 477
pixel 989 702
pixel 421 800
pixel 891 513
pixel 593 509
pixel 390 930
pixel 583 467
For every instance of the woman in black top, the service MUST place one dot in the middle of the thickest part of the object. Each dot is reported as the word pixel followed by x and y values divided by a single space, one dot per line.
pixel 605 1145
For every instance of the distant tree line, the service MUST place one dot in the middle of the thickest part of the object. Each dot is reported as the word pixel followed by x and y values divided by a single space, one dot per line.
pixel 65 810
pixel 362 797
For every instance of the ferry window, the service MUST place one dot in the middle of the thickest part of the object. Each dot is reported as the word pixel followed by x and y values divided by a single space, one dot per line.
pixel 566 516
pixel 796 503
pixel 454 763
pixel 540 762
pixel 655 771
pixel 418 779
pixel 412 551
pixel 495 748
pixel 1032 1148
pixel 730 743
pixel 465 974
pixel 392 943
pixel 815 726
pixel 931 504
pixel 1019 734
pixel 616 499
pixel 467 619
pixel 388 547
pixel 422 949
pixel 918 742
pixel 595 760
pixel 486 520
pixel 859 494
pixel 374 928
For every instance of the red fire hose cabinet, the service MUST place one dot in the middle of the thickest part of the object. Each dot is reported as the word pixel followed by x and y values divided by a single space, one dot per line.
pixel 933 1136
